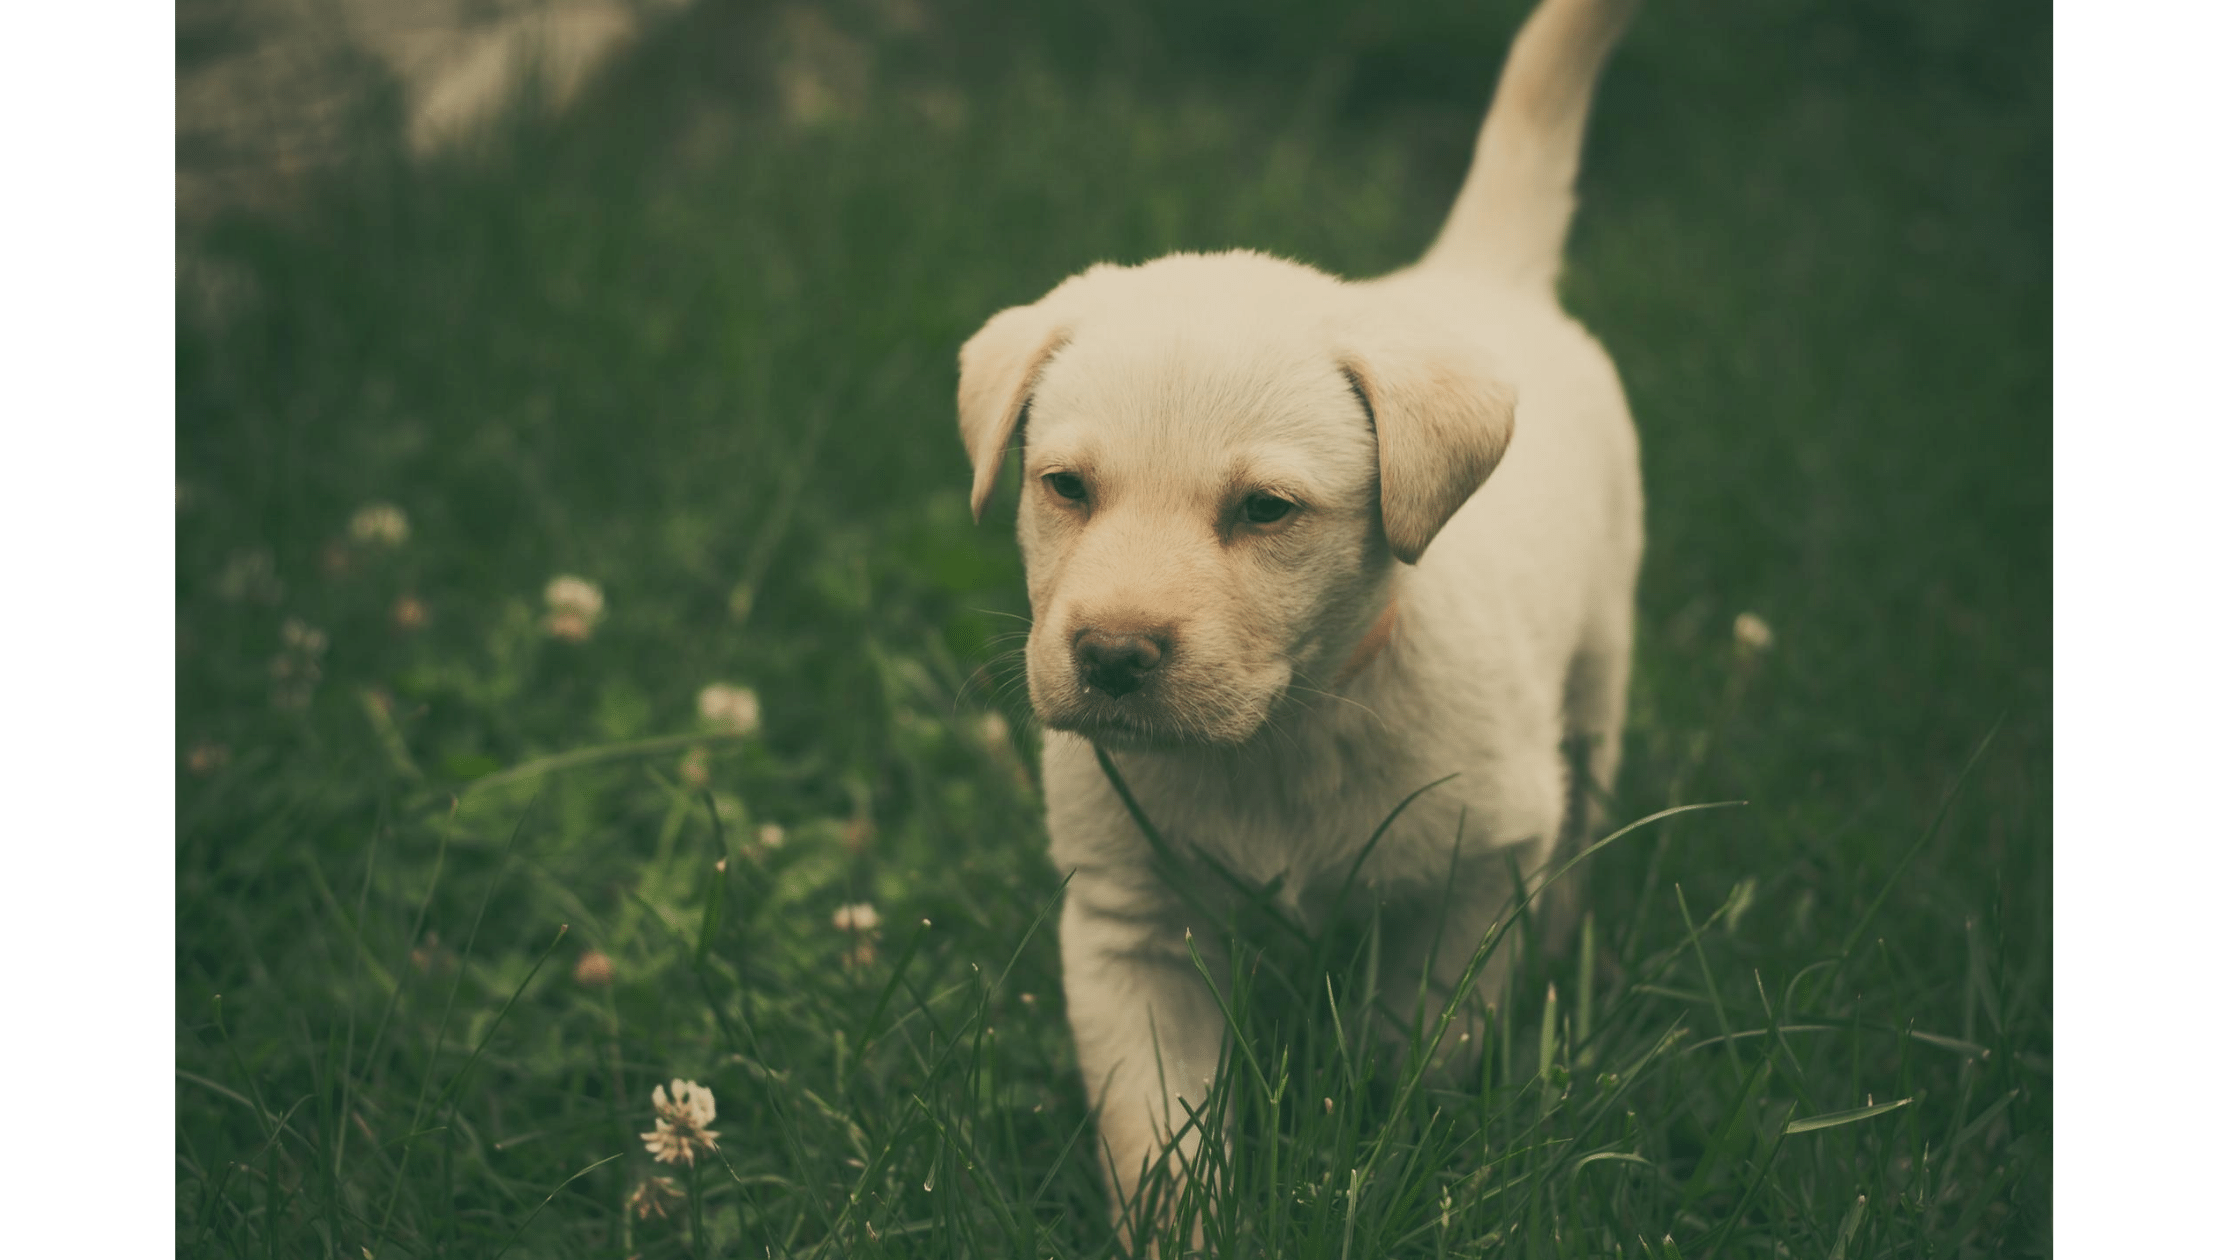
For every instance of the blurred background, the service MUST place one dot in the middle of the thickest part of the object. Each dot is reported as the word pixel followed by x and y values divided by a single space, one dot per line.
pixel 665 298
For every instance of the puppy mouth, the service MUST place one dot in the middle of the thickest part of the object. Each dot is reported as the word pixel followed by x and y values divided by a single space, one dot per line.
pixel 1153 719
pixel 1133 728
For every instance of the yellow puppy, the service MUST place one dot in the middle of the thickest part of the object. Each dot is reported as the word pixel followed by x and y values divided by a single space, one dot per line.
pixel 1276 576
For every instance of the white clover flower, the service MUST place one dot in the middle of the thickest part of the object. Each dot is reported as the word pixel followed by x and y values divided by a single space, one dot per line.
pixel 569 627
pixel 731 708
pixel 295 671
pixel 249 575
pixel 859 916
pixel 771 835
pixel 304 638
pixel 1751 634
pixel 653 1197
pixel 682 1112
pixel 573 607
pixel 380 524
pixel 410 613
pixel 594 970
pixel 569 593
pixel 693 770
pixel 995 733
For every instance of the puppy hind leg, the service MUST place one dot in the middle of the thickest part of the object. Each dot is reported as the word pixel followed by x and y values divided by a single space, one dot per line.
pixel 1594 743
pixel 1557 908
pixel 1428 950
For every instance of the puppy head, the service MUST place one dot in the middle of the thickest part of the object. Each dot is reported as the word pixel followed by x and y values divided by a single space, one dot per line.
pixel 1224 454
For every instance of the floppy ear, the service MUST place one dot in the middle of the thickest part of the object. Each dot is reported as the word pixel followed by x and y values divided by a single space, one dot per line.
pixel 1442 421
pixel 995 373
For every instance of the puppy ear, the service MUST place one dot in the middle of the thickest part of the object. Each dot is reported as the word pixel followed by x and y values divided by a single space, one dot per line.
pixel 1442 421
pixel 996 372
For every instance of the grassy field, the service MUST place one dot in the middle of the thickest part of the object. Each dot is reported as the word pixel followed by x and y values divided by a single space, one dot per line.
pixel 460 880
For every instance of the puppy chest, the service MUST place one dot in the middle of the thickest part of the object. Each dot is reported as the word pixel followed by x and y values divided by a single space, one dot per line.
pixel 1310 844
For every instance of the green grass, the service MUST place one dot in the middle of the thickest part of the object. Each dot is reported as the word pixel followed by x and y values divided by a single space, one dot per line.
pixel 704 356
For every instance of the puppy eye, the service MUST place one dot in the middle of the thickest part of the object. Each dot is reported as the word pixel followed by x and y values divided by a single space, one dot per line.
pixel 1066 485
pixel 1264 509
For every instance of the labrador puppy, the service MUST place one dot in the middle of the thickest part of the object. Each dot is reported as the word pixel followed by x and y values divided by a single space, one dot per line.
pixel 1298 546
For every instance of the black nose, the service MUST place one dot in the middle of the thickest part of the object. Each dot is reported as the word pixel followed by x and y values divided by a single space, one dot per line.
pixel 1115 664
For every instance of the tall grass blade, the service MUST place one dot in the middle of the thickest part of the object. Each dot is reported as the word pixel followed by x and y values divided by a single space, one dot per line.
pixel 542 1204
pixel 1832 1119
pixel 1850 1228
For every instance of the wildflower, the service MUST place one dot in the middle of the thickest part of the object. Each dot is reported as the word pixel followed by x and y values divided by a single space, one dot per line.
pixel 308 639
pixel 295 671
pixel 653 1197
pixel 730 708
pixel 380 524
pixel 208 758
pixel 336 559
pixel 573 607
pixel 568 593
pixel 409 614
pixel 682 1112
pixel 249 575
pixel 430 955
pixel 693 770
pixel 856 833
pixel 862 920
pixel 594 970
pixel 568 627
pixel 771 835
pixel 1751 634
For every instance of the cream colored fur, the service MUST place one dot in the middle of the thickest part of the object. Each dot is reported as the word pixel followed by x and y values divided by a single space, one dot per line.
pixel 1454 445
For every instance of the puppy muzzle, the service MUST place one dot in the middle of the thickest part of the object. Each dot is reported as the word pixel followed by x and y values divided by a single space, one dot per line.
pixel 1117 663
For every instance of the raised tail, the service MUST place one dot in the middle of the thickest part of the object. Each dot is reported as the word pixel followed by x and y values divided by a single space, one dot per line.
pixel 1509 222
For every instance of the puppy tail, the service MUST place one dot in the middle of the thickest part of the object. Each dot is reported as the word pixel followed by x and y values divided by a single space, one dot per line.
pixel 1509 222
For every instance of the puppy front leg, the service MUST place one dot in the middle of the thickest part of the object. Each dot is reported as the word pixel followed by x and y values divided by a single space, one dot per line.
pixel 1147 1029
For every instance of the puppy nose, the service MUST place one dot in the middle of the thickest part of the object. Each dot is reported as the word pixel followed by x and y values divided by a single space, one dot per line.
pixel 1115 664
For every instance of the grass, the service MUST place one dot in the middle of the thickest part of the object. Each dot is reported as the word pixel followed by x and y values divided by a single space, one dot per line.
pixel 701 351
